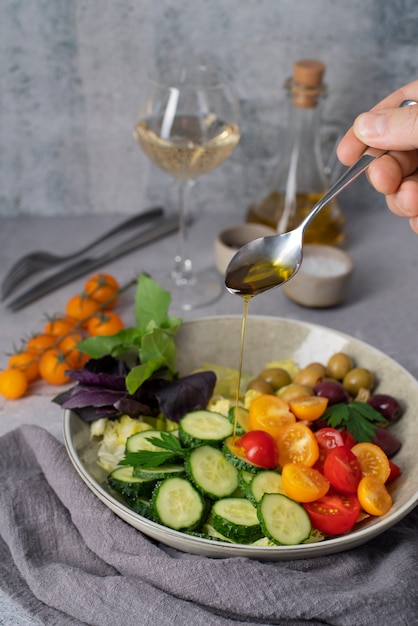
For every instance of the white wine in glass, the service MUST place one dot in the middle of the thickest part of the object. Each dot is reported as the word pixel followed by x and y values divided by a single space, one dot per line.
pixel 187 127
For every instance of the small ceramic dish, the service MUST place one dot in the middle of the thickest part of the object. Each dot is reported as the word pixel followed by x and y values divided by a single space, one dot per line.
pixel 230 240
pixel 323 279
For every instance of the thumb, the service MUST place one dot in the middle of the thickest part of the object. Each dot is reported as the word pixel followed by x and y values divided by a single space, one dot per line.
pixel 389 129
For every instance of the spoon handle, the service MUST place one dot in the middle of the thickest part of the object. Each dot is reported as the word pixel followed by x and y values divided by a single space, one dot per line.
pixel 370 155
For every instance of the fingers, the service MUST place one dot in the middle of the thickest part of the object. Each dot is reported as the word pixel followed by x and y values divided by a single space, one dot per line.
pixel 386 174
pixel 389 129
pixel 404 202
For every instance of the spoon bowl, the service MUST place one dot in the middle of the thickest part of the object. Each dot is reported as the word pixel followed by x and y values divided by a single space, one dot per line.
pixel 271 261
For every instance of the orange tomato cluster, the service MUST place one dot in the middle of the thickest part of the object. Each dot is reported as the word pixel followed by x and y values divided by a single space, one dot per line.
pixel 49 354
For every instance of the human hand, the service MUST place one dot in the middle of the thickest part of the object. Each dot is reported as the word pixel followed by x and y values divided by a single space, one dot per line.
pixel 393 128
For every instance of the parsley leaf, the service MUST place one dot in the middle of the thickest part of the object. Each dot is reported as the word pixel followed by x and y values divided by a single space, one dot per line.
pixel 171 450
pixel 359 418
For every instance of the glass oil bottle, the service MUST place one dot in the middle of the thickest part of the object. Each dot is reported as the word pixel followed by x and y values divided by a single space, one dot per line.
pixel 301 179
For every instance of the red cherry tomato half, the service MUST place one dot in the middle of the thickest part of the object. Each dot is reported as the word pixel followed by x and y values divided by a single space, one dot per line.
pixel 333 514
pixel 329 438
pixel 260 448
pixel 342 470
pixel 395 470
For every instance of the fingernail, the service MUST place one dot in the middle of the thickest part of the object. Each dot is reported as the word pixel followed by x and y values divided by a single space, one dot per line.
pixel 371 124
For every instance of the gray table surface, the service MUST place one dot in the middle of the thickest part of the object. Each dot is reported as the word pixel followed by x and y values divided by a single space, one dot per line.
pixel 380 309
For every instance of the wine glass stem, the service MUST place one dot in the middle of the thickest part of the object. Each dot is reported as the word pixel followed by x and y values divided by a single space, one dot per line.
pixel 183 269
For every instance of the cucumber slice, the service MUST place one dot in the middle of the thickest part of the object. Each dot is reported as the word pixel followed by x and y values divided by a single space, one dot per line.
pixel 200 427
pixel 268 481
pixel 236 519
pixel 124 482
pixel 160 472
pixel 283 520
pixel 142 506
pixel 140 441
pixel 243 419
pixel 211 473
pixel 177 504
pixel 232 453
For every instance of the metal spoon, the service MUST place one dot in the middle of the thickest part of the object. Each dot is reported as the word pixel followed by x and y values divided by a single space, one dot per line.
pixel 271 261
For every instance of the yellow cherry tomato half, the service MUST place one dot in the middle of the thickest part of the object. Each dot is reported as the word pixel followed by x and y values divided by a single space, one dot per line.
pixel 303 483
pixel 13 383
pixel 297 444
pixel 373 496
pixel 270 413
pixel 308 408
pixel 373 461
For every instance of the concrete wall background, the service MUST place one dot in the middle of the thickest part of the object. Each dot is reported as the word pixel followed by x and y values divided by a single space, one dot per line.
pixel 71 73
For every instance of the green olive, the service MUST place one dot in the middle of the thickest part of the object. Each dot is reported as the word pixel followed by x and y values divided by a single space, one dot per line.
pixel 294 390
pixel 260 385
pixel 309 375
pixel 358 378
pixel 339 365
pixel 277 377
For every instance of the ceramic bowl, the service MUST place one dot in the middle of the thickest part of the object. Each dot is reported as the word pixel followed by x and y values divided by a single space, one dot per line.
pixel 230 240
pixel 323 279
pixel 209 340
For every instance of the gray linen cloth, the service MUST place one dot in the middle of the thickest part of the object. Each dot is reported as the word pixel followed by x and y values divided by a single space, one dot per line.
pixel 66 559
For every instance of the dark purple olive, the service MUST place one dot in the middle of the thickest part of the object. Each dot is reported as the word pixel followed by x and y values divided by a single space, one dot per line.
pixel 333 390
pixel 387 441
pixel 388 406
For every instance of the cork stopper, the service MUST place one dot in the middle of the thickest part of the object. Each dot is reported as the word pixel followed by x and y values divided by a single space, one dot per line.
pixel 306 84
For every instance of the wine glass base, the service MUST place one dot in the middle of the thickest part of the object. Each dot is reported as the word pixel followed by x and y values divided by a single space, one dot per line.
pixel 200 289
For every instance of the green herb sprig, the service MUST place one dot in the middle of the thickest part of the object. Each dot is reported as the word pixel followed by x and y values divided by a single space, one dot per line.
pixel 171 451
pixel 359 418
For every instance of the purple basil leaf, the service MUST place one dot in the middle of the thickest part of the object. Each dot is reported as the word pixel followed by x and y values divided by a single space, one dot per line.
pixel 131 406
pixel 92 413
pixel 82 396
pixel 186 394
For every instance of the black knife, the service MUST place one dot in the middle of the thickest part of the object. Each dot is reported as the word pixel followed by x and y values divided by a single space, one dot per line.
pixel 88 264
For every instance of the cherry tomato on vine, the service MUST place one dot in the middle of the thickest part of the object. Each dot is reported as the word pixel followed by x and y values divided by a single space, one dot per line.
pixel 297 444
pixel 40 342
pixel 270 413
pixel 79 307
pixel 260 448
pixel 68 345
pixel 53 367
pixel 104 323
pixel 333 514
pixel 59 326
pixel 13 383
pixel 373 496
pixel 102 288
pixel 342 470
pixel 303 483
pixel 26 362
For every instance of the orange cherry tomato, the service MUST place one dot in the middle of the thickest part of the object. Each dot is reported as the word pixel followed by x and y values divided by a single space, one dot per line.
pixel 297 444
pixel 104 323
pixel 102 288
pixel 59 326
pixel 40 342
pixel 26 362
pixel 53 366
pixel 372 459
pixel 303 483
pixel 68 345
pixel 80 307
pixel 13 383
pixel 373 496
pixel 309 408
pixel 270 413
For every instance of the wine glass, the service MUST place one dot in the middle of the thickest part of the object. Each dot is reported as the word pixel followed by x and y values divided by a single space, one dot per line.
pixel 187 126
